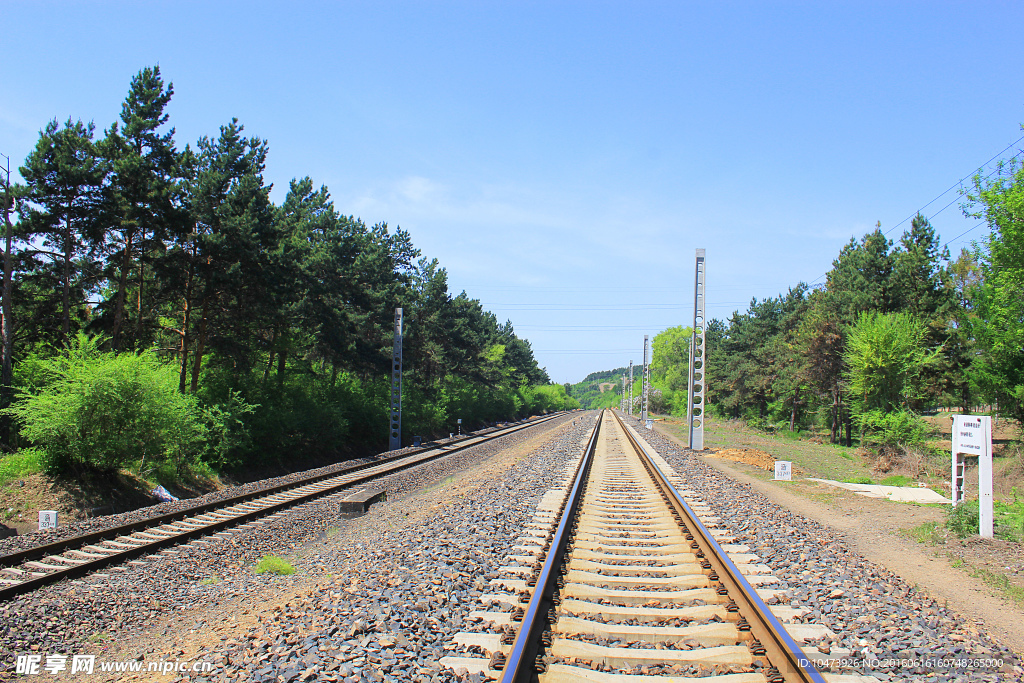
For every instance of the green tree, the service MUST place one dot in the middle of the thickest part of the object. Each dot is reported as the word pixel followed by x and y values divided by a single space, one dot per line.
pixel 227 271
pixel 885 356
pixel 998 297
pixel 822 340
pixel 61 208
pixel 144 189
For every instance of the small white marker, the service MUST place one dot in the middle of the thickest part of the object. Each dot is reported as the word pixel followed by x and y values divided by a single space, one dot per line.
pixel 783 470
pixel 47 519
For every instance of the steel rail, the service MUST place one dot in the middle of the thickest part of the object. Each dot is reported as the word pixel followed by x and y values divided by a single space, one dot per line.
pixel 208 527
pixel 783 653
pixel 521 664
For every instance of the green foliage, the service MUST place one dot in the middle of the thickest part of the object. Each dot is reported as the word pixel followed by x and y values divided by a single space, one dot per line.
pixel 547 398
pixel 588 392
pixel 1009 517
pixel 274 565
pixel 896 480
pixel 106 410
pixel 670 358
pixel 963 519
pixel 899 428
pixel 227 431
pixel 998 368
pixel 273 323
pixel 17 465
pixel 884 358
pixel 927 533
pixel 859 480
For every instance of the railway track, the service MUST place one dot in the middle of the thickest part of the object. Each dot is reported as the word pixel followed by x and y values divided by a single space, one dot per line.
pixel 625 577
pixel 153 539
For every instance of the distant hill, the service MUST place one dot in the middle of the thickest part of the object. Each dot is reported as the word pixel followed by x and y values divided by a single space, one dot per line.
pixel 589 392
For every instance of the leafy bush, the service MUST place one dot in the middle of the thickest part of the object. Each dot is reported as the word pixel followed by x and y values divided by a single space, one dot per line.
pixel 896 480
pixel 897 428
pixel 108 410
pixel 963 519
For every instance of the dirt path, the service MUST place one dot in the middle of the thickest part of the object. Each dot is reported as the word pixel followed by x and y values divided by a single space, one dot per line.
pixel 871 527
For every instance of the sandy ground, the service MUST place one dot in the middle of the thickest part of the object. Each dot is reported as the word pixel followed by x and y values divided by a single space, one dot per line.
pixel 872 527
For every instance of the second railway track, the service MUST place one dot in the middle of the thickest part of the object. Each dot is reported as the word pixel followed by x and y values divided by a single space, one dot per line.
pixel 625 577
pixel 26 570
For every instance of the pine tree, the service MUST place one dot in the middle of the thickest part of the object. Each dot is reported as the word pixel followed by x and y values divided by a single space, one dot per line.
pixel 62 208
pixel 143 184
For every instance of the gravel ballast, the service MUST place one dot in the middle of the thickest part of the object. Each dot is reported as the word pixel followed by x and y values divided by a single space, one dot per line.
pixel 873 612
pixel 58 619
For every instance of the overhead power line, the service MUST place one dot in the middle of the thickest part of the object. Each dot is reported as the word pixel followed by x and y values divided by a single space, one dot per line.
pixel 955 185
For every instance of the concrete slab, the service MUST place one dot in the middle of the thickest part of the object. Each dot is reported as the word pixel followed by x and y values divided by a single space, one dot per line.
pixel 651 614
pixel 358 502
pixel 622 657
pixel 708 635
pixel 900 494
pixel 563 673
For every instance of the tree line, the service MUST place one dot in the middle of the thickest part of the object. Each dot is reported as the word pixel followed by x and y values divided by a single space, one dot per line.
pixel 276 320
pixel 895 329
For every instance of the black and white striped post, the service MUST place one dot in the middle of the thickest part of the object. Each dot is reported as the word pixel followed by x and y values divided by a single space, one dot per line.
pixel 396 386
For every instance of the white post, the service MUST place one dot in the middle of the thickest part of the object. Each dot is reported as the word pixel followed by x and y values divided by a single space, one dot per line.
pixel 972 435
pixel 630 404
pixel 646 388
pixel 986 518
pixel 695 396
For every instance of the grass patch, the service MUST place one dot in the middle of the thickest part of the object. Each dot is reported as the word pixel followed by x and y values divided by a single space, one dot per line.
pixel 100 637
pixel 1009 517
pixel 17 465
pixel 441 484
pixel 210 580
pixel 274 565
pixel 929 533
pixel 858 480
pixel 997 581
pixel 896 480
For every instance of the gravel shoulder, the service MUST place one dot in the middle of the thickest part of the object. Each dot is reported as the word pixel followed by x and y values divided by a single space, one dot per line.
pixel 377 596
pixel 872 527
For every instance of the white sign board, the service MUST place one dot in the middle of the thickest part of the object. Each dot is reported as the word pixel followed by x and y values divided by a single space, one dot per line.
pixel 972 435
pixel 47 519
pixel 783 470
pixel 649 424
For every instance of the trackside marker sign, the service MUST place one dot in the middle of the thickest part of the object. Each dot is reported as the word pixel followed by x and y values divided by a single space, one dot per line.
pixel 972 435
pixel 783 470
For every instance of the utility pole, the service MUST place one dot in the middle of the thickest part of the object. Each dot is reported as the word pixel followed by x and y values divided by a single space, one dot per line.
pixel 6 375
pixel 695 400
pixel 622 399
pixel 396 386
pixel 646 389
pixel 630 387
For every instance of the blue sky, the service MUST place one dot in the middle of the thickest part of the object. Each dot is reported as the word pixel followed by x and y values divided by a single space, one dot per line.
pixel 564 160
